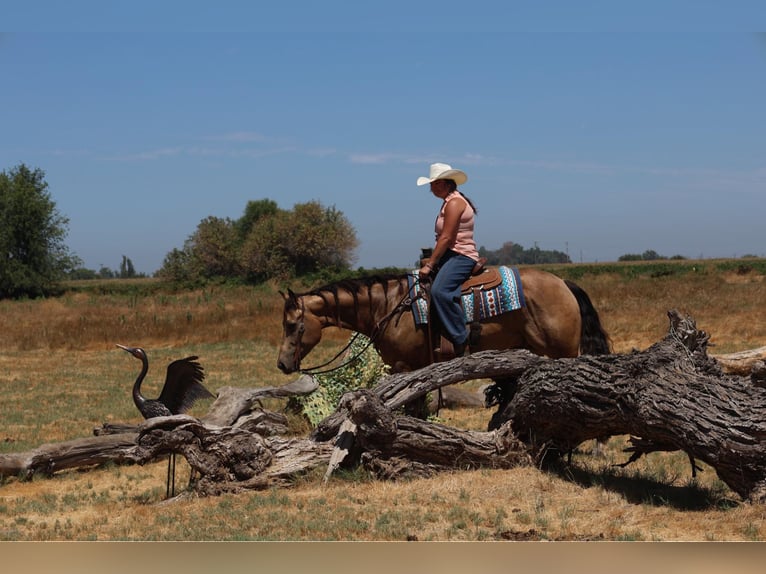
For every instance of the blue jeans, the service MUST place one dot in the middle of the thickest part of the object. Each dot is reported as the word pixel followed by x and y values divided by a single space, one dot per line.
pixel 454 269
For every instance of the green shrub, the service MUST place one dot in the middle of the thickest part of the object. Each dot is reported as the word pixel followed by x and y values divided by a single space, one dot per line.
pixel 362 371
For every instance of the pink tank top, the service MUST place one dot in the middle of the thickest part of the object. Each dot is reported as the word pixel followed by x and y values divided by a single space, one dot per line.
pixel 464 242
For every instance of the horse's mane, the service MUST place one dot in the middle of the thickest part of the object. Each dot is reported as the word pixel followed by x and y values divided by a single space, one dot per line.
pixel 355 285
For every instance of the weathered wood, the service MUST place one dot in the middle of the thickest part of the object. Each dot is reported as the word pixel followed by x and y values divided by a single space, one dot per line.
pixel 223 442
pixel 672 396
pixel 758 374
pixel 232 402
pixel 78 453
pixel 398 389
pixel 230 459
pixel 742 362
pixel 407 446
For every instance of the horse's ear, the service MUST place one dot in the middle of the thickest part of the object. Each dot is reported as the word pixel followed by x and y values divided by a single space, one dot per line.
pixel 287 296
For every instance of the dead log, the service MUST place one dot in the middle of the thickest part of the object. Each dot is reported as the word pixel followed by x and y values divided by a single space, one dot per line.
pixel 673 396
pixel 398 389
pixel 229 459
pixel 670 397
pixel 404 446
pixel 758 374
pixel 234 420
pixel 78 453
pixel 742 362
pixel 233 403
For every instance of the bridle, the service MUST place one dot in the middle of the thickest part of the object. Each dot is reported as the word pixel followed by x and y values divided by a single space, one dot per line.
pixel 377 331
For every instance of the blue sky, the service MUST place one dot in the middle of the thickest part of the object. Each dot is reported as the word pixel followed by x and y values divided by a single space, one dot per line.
pixel 595 128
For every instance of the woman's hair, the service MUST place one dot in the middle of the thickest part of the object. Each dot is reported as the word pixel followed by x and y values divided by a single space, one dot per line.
pixel 453 186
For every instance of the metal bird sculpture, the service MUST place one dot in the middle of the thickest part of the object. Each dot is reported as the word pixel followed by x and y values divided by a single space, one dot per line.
pixel 183 387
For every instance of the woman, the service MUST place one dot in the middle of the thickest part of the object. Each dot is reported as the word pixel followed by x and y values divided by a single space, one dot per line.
pixel 454 254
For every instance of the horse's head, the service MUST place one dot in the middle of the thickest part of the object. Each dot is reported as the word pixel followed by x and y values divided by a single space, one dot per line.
pixel 302 330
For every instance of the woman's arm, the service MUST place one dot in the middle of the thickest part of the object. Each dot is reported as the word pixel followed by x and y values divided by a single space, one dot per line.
pixel 452 212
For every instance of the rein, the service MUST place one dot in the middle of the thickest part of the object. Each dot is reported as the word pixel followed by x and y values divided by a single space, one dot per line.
pixel 378 330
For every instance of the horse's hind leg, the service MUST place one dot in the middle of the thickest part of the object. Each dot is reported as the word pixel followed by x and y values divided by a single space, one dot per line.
pixel 500 393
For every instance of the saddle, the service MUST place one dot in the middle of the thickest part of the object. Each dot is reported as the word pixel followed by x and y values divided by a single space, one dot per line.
pixel 483 279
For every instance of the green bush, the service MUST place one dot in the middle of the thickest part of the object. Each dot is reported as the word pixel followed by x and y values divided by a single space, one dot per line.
pixel 362 372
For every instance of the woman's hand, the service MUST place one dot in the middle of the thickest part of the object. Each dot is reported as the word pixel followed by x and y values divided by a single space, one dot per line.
pixel 425 271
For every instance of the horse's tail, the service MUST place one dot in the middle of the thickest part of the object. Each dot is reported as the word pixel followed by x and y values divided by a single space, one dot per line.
pixel 594 340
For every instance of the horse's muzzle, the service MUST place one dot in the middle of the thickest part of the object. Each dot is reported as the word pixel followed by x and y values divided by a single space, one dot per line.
pixel 284 368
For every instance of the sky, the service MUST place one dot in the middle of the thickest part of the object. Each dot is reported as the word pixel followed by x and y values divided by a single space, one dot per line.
pixel 596 128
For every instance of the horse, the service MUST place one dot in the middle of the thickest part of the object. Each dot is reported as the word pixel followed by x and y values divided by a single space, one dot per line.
pixel 557 321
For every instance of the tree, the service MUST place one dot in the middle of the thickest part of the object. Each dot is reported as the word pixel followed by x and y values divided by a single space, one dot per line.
pixel 651 255
pixel 214 248
pixel 211 251
pixel 254 212
pixel 277 244
pixel 305 240
pixel 33 255
pixel 515 254
pixel 127 271
pixel 648 255
pixel 176 266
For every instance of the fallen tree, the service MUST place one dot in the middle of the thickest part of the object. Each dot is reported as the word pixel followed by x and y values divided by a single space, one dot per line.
pixel 742 362
pixel 670 397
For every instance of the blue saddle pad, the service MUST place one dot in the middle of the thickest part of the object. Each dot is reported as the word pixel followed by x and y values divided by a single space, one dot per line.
pixel 506 297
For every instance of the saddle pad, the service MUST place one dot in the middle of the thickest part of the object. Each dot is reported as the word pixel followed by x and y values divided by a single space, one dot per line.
pixel 507 296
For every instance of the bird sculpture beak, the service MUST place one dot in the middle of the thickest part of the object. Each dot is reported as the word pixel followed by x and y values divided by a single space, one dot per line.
pixel 124 348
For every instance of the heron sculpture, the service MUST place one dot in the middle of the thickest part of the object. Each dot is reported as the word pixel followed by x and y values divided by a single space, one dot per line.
pixel 183 387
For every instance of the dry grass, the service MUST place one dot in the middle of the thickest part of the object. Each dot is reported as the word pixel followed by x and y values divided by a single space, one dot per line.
pixel 729 307
pixel 61 376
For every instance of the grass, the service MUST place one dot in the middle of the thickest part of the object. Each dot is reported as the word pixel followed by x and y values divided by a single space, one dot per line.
pixel 61 375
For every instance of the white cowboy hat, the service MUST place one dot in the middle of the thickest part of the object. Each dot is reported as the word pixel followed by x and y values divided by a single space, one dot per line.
pixel 443 171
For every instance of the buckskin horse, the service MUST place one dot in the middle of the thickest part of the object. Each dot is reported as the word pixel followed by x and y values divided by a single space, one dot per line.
pixel 557 320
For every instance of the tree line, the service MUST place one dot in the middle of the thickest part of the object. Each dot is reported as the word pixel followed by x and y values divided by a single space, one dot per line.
pixel 515 254
pixel 265 243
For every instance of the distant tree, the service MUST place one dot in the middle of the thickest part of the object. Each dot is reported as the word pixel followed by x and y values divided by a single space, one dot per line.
pixel 278 244
pixel 263 256
pixel 651 255
pixel 176 266
pixel 106 273
pixel 648 255
pixel 33 255
pixel 515 254
pixel 127 271
pixel 630 257
pixel 214 248
pixel 255 211
pixel 81 273
pixel 298 242
pixel 211 251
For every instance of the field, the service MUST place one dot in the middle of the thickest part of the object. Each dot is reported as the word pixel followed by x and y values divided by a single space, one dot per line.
pixel 61 375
